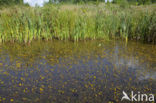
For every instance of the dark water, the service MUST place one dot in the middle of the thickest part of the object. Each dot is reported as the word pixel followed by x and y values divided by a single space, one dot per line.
pixel 67 72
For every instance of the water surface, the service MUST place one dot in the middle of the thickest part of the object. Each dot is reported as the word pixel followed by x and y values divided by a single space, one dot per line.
pixel 83 72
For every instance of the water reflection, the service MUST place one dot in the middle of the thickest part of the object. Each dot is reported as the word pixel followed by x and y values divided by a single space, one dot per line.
pixel 59 71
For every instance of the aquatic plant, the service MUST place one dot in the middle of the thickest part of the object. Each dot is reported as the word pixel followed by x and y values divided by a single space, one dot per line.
pixel 58 71
pixel 24 24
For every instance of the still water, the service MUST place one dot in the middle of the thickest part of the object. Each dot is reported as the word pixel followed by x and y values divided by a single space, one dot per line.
pixel 68 72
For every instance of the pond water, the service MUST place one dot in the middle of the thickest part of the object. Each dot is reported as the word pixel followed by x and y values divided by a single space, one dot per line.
pixel 68 72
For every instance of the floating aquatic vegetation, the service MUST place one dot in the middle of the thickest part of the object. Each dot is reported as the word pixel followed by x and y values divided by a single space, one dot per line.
pixel 63 71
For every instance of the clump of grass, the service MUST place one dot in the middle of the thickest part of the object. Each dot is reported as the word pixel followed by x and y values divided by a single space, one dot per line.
pixel 24 24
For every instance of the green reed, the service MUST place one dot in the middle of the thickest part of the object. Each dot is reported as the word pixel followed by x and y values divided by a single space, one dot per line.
pixel 24 24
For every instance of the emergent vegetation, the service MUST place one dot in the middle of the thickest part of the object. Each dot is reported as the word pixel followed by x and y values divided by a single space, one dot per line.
pixel 78 22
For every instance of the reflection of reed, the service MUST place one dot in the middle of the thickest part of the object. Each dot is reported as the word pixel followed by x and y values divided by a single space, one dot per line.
pixel 50 51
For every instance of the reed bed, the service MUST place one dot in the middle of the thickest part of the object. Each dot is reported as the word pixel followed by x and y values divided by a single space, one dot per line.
pixel 80 22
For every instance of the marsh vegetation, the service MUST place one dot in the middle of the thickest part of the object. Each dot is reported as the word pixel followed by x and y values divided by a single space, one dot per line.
pixel 78 22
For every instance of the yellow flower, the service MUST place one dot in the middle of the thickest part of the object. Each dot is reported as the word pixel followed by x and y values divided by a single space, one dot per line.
pixel 41 89
pixel 22 78
pixel 11 100
pixel 4 99
pixel 18 65
pixel 94 77
pixel 1 64
pixel 20 84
